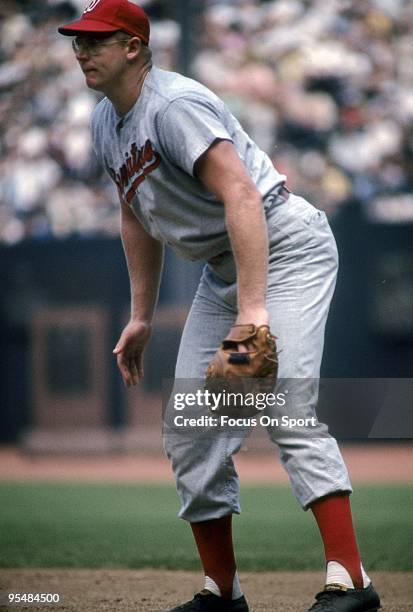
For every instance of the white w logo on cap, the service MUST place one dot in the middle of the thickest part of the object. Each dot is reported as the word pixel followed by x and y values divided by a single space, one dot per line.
pixel 91 6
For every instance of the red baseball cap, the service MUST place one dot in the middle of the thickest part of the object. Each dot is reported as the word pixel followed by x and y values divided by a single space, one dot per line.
pixel 106 16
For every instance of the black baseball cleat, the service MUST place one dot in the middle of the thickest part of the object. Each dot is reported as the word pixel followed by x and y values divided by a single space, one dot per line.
pixel 205 601
pixel 338 598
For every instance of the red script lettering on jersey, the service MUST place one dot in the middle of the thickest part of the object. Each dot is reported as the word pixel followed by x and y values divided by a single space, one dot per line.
pixel 142 162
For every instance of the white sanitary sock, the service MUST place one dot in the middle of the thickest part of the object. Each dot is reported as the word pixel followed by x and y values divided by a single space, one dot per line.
pixel 366 579
pixel 336 573
pixel 212 586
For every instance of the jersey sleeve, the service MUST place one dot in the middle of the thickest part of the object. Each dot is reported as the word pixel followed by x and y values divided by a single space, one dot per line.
pixel 188 127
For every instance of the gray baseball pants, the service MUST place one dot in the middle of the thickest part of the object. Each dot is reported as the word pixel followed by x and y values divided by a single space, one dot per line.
pixel 303 265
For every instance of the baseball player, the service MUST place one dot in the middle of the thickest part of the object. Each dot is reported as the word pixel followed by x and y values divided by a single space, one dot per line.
pixel 189 176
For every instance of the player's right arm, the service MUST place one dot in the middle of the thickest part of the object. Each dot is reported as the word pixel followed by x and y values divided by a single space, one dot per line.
pixel 144 257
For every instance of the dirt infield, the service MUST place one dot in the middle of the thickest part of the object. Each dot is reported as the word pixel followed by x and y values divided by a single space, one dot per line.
pixel 156 591
pixel 372 463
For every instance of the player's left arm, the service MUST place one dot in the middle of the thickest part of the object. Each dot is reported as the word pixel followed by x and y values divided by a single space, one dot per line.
pixel 222 172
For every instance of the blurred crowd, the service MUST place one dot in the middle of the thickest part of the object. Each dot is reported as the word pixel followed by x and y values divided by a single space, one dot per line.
pixel 50 184
pixel 325 88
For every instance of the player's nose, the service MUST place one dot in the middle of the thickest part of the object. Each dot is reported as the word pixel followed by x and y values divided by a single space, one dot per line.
pixel 80 50
pixel 82 53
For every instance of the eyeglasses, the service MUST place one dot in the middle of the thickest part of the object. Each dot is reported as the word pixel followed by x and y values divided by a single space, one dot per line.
pixel 92 46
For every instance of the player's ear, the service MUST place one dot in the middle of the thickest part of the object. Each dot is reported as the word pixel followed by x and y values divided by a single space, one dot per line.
pixel 133 47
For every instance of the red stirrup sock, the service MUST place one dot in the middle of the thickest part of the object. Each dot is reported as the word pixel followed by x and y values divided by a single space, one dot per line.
pixel 214 542
pixel 333 516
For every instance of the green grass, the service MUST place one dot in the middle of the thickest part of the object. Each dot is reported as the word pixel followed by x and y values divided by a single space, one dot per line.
pixel 135 526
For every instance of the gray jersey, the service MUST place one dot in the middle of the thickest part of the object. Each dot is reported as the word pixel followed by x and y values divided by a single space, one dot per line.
pixel 150 154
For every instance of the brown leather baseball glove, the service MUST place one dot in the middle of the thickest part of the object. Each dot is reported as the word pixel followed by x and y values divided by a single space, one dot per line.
pixel 246 362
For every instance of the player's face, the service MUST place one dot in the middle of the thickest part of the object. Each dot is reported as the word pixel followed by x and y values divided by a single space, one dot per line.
pixel 101 59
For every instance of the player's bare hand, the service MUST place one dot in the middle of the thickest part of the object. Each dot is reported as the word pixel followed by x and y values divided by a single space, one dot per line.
pixel 129 351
